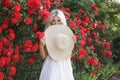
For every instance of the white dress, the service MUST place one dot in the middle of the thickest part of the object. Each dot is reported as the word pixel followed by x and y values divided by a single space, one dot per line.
pixel 56 70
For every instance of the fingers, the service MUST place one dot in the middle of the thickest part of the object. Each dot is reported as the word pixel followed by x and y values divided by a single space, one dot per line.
pixel 42 42
pixel 74 39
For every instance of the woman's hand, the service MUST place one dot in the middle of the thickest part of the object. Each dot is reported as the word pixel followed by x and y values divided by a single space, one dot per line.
pixel 42 42
pixel 42 48
pixel 74 39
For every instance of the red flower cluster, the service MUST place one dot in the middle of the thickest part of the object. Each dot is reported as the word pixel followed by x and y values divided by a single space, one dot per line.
pixel 35 28
pixel 47 4
pixel 39 35
pixel 33 5
pixel 31 60
pixel 28 20
pixel 7 3
pixel 1 75
pixel 11 35
pixel 82 53
pixel 44 14
pixel 72 24
pixel 107 53
pixel 12 71
pixel 30 47
pixel 95 8
pixel 16 16
pixel 35 47
pixel 92 61
pixel 27 46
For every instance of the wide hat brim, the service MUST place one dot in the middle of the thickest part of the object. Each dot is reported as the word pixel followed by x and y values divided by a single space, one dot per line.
pixel 50 34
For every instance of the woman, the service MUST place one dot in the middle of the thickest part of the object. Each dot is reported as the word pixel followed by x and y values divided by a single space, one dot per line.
pixel 52 69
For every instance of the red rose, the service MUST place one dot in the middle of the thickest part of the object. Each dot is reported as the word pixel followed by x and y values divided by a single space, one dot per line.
pixel 94 72
pixel 82 11
pixel 109 53
pixel 7 60
pixel 14 21
pixel 58 1
pixel 93 33
pixel 67 10
pixel 35 28
pixel 16 50
pixel 10 78
pixel 11 36
pixel 15 58
pixel 35 47
pixel 82 53
pixel 28 20
pixel 39 34
pixel 99 23
pixel 86 18
pixel 4 41
pixel 78 20
pixel 34 4
pixel 72 24
pixel 92 61
pixel 6 21
pixel 102 27
pixel 16 15
pixel 31 11
pixel 89 61
pixel 27 46
pixel 12 71
pixel 96 37
pixel 107 45
pixel 1 75
pixel 1 46
pixel 44 14
pixel 101 44
pixel 11 30
pixel 8 52
pixel 7 3
pixel 95 8
pixel 83 43
pixel 47 4
pixel 17 7
pixel 92 47
pixel 31 61
pixel 4 26
pixel 89 40
pixel 33 56
pixel 2 62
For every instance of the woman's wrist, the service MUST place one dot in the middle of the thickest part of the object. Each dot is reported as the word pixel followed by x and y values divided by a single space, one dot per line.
pixel 41 46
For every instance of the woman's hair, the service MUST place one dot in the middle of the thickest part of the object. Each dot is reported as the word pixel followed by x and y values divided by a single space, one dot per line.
pixel 60 14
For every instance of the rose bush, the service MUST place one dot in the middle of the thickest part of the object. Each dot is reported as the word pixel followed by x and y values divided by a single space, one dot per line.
pixel 21 26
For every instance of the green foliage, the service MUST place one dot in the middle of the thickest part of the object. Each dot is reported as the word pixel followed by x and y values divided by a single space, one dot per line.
pixel 104 74
pixel 28 71
pixel 109 13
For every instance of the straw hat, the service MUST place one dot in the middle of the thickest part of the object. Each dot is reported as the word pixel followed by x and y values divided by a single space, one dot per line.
pixel 59 41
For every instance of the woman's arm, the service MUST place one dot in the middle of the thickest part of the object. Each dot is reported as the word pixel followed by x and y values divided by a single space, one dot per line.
pixel 42 49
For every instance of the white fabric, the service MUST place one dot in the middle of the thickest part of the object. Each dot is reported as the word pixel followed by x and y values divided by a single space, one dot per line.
pixel 56 70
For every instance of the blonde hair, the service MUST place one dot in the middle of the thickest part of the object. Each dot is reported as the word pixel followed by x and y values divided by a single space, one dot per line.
pixel 60 14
